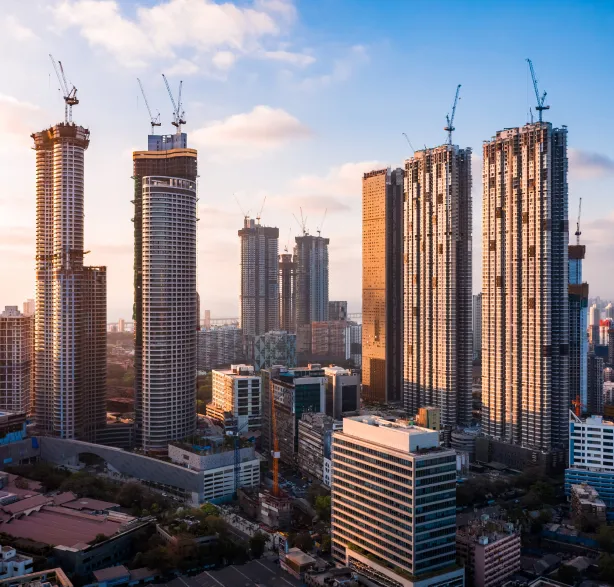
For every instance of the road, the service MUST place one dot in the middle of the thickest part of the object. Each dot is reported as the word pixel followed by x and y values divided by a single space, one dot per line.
pixel 256 573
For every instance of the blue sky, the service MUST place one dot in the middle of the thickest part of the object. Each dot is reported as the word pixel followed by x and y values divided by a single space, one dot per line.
pixel 294 100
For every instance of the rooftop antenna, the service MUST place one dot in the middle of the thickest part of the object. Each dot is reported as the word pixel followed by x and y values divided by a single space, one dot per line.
pixel 178 113
pixel 323 220
pixel 69 95
pixel 578 233
pixel 153 120
pixel 261 209
pixel 540 101
pixel 409 143
pixel 449 128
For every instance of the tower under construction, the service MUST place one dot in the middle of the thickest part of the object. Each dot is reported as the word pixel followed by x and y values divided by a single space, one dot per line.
pixel 311 259
pixel 287 293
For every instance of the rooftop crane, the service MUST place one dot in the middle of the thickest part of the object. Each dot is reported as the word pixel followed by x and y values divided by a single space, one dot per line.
pixel 245 214
pixel 153 120
pixel 449 128
pixel 409 142
pixel 540 101
pixel 323 220
pixel 261 209
pixel 178 113
pixel 303 223
pixel 69 95
pixel 578 233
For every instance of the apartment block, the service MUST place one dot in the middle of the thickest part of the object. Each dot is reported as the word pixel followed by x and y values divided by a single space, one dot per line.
pixel 578 327
pixel 354 343
pixel 394 503
pixel 337 310
pixel 311 259
pixel 328 339
pixel 382 285
pixel 274 348
pixel 585 501
pixel 314 444
pixel 477 326
pixel 525 303
pixel 437 283
pixel 16 361
pixel 219 346
pixel 489 550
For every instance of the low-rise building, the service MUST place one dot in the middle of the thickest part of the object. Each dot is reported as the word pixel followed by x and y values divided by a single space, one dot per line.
pixel 585 502
pixel 120 576
pixel 296 562
pixel 342 392
pixel 314 444
pixel 489 550
pixel 48 578
pixel 13 564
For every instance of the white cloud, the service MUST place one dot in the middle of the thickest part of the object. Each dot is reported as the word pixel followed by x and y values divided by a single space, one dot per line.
pixel 297 59
pixel 16 30
pixel 223 59
pixel 588 165
pixel 248 134
pixel 17 118
pixel 162 30
pixel 183 67
pixel 342 70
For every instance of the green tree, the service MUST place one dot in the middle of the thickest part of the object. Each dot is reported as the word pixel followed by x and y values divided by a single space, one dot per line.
pixel 605 538
pixel 587 523
pixel 606 568
pixel 208 509
pixel 304 541
pixel 130 495
pixel 322 507
pixel 544 491
pixel 257 544
pixel 567 574
pixel 325 545
pixel 160 558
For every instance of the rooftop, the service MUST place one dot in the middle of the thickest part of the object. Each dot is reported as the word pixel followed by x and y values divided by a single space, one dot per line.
pixel 53 577
pixel 300 558
pixel 586 495
pixel 90 504
pixel 111 573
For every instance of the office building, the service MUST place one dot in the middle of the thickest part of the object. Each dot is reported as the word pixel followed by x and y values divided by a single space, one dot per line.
pixel 16 361
pixel 314 445
pixel 394 503
pixel 337 310
pixel 287 293
pixel 259 278
pixel 165 308
pixel 594 387
pixel 477 326
pixel 382 285
pixel 437 278
pixel 68 394
pixel 525 304
pixel 311 259
pixel 29 307
pixel 274 348
pixel 219 346
pixel 594 317
pixel 591 456
pixel 290 393
pixel 236 395
pixel 342 392
pixel 489 550
pixel 578 326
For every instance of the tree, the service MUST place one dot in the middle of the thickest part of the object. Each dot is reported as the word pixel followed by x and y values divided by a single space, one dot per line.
pixel 22 483
pixel 322 507
pixel 606 568
pixel 130 495
pixel 568 574
pixel 326 543
pixel 98 539
pixel 304 541
pixel 605 538
pixel 257 544
pixel 159 558
pixel 587 523
pixel 209 509
pixel 544 491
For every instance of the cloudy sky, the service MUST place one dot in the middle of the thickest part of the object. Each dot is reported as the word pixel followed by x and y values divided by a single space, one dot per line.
pixel 293 100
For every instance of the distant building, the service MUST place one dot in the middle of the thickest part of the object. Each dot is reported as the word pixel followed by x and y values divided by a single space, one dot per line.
pixel 591 458
pixel 328 339
pixel 237 394
pixel 207 320
pixel 604 331
pixel 287 293
pixel 314 444
pixel 342 392
pixel 608 312
pixel 594 317
pixel 337 310
pixel 375 494
pixel 354 344
pixel 16 361
pixel 274 348
pixel 429 417
pixel 311 259
pixel 219 346
pixel 490 552
pixel 29 307
pixel 121 325
pixel 585 501
pixel 477 326
pixel 259 278
pixel 595 385
pixel 382 285
pixel 608 393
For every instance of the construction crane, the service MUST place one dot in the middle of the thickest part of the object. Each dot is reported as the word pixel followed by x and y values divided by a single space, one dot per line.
pixel 578 233
pixel 540 101
pixel 449 128
pixel 261 209
pixel 237 459
pixel 69 94
pixel 409 142
pixel 178 113
pixel 245 214
pixel 323 220
pixel 153 120
pixel 303 222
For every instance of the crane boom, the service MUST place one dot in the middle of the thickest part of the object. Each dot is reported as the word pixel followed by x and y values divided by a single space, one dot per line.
pixel 153 120
pixel 409 142
pixel 540 100
pixel 178 114
pixel 69 94
pixel 450 119
pixel 578 233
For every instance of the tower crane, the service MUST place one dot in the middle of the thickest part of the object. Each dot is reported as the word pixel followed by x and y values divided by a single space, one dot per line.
pixel 540 100
pixel 449 128
pixel 69 94
pixel 409 142
pixel 261 209
pixel 578 233
pixel 237 454
pixel 153 120
pixel 178 113
pixel 323 220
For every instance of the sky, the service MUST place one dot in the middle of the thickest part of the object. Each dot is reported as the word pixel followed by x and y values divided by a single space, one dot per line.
pixel 293 101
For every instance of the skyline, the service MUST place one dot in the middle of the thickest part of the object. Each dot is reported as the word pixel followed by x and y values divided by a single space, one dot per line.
pixel 282 102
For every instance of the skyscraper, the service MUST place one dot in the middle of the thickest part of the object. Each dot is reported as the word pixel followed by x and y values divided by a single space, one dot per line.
pixel 311 258
pixel 16 362
pixel 287 293
pixel 259 278
pixel 477 326
pixel 437 239
pixel 578 326
pixel 165 306
pixel 525 307
pixel 68 397
pixel 382 285
pixel 594 399
pixel 594 318
pixel 337 310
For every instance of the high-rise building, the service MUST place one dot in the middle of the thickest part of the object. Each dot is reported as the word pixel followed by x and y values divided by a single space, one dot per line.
pixel 525 306
pixel 594 387
pixel 165 308
pixel 604 331
pixel 342 392
pixel 121 325
pixel 259 278
pixel 274 348
pixel 382 285
pixel 16 361
pixel 328 340
pixel 594 317
pixel 315 432
pixel 353 341
pixel 609 311
pixel 219 346
pixel 287 293
pixel 29 307
pixel 437 293
pixel 311 259
pixel 477 326
pixel 337 310
pixel 67 388
pixel 394 503
pixel 578 326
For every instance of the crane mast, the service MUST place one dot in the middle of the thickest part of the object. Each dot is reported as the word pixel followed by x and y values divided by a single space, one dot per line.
pixel 449 128
pixel 578 233
pixel 153 120
pixel 540 100
pixel 69 94
pixel 178 113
